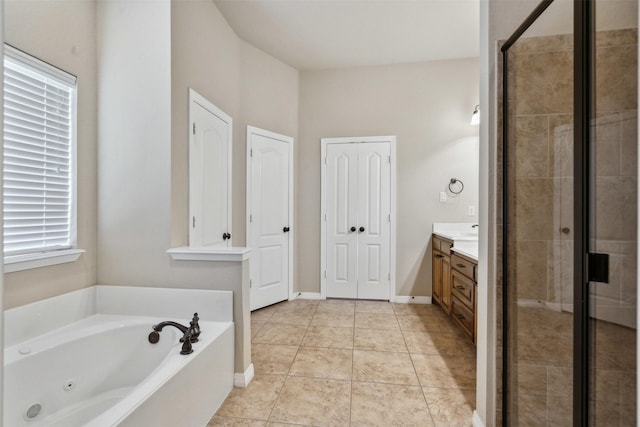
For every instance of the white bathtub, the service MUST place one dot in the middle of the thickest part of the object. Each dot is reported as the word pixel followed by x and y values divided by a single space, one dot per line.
pixel 102 371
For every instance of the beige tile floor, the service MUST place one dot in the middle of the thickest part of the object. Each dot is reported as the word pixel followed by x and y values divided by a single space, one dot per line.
pixel 360 363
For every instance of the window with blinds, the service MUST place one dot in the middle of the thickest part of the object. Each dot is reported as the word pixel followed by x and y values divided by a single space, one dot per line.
pixel 38 148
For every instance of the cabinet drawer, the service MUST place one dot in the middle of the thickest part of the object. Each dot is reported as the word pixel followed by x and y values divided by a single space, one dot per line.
pixel 442 245
pixel 463 317
pixel 464 266
pixel 463 288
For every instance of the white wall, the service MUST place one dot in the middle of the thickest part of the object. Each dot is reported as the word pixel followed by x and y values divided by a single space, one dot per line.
pixel 498 19
pixel 246 83
pixel 205 56
pixel 41 28
pixel 268 100
pixel 134 187
pixel 143 152
pixel 428 107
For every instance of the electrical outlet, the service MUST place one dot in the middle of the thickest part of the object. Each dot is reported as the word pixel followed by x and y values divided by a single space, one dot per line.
pixel 443 197
pixel 472 210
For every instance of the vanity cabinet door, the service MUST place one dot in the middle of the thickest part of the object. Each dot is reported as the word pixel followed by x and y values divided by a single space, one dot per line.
pixel 436 260
pixel 446 284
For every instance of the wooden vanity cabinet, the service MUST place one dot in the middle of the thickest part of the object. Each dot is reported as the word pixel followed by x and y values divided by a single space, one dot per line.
pixel 455 286
pixel 441 272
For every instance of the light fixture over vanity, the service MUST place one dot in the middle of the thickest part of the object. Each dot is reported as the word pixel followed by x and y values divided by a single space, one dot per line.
pixel 475 118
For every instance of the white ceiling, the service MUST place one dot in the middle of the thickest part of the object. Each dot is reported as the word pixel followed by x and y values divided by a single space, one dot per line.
pixel 317 34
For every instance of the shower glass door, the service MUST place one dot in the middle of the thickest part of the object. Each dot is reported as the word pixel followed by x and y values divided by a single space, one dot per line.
pixel 613 210
pixel 570 202
pixel 539 220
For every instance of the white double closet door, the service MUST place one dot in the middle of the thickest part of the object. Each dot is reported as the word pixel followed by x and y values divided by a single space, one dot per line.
pixel 358 220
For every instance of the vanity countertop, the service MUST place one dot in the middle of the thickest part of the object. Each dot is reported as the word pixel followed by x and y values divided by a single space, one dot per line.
pixel 463 235
pixel 463 231
pixel 466 248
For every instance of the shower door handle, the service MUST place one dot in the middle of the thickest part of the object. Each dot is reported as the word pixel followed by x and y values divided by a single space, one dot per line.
pixel 598 267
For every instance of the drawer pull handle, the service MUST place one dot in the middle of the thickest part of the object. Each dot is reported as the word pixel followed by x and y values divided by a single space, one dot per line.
pixel 459 316
pixel 461 265
pixel 460 288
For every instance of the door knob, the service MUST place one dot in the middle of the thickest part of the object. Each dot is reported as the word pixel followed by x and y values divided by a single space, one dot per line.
pixel 226 236
pixel 361 229
pixel 285 229
pixel 353 229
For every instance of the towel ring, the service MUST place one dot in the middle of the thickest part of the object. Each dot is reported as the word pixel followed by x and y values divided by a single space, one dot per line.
pixel 453 182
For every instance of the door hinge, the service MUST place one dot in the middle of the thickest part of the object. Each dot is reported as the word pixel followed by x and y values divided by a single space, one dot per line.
pixel 389 217
pixel 389 159
pixel 325 217
pixel 194 128
pixel 389 276
pixel 250 283
pixel 325 274
pixel 250 218
pixel 193 221
pixel 251 153
pixel 325 160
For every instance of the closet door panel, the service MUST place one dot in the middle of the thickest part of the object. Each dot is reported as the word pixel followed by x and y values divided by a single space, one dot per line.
pixel 374 208
pixel 342 215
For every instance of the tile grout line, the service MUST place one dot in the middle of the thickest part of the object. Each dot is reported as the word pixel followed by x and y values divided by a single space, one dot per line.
pixel 424 397
pixel 352 380
pixel 286 376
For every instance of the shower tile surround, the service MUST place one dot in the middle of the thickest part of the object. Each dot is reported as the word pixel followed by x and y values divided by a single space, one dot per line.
pixel 379 364
pixel 541 155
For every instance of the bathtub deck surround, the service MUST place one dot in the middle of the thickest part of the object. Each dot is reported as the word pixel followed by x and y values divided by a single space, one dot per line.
pixel 83 358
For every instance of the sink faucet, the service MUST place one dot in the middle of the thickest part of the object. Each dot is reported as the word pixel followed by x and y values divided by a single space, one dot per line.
pixel 189 334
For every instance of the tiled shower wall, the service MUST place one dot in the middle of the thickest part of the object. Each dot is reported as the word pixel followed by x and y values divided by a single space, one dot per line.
pixel 542 159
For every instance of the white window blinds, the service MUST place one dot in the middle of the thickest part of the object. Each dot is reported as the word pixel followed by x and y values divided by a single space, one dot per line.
pixel 39 134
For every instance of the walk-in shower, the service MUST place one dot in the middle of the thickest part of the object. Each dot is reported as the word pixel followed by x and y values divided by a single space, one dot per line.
pixel 569 186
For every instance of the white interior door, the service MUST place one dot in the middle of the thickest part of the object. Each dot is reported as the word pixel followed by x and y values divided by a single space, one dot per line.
pixel 209 174
pixel 342 220
pixel 374 218
pixel 269 206
pixel 357 203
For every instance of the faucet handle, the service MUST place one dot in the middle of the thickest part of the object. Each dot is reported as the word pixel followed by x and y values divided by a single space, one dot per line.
pixel 194 331
pixel 195 326
pixel 186 344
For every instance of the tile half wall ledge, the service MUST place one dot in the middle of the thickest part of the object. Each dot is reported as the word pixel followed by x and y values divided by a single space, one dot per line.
pixel 186 253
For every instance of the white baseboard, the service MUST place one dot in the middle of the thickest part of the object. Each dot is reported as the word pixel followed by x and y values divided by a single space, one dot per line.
pixel 398 298
pixel 242 379
pixel 476 421
pixel 406 299
pixel 307 295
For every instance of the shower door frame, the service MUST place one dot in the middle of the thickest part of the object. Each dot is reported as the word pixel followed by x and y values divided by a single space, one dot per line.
pixel 583 23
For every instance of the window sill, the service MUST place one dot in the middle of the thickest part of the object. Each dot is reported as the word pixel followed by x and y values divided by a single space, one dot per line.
pixel 186 253
pixel 29 261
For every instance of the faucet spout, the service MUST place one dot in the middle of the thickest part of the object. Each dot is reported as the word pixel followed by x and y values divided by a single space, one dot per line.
pixel 189 334
pixel 160 326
